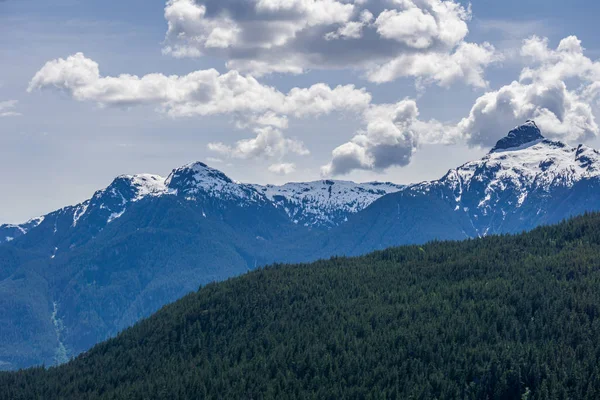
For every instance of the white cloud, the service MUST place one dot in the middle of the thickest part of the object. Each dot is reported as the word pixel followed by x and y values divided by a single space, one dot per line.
pixel 283 168
pixel 567 61
pixel 555 90
pixel 7 108
pixel 202 93
pixel 381 37
pixel 268 143
pixel 467 64
pixel 559 113
pixel 414 27
pixel 205 92
pixel 393 133
pixel 352 29
pixel 255 24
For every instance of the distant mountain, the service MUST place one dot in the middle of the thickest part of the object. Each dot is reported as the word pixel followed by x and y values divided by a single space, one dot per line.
pixel 523 182
pixel 325 203
pixel 321 204
pixel 503 317
pixel 81 274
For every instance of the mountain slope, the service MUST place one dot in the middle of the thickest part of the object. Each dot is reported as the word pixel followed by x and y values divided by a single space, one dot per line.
pixel 523 182
pixel 9 232
pixel 98 267
pixel 503 317
pixel 83 273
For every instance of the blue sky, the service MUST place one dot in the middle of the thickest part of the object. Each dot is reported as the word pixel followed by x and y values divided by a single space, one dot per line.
pixel 59 143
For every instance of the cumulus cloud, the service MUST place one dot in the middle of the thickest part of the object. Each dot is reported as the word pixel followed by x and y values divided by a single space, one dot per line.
pixel 380 37
pixel 555 90
pixel 7 108
pixel 352 29
pixel 258 107
pixel 255 24
pixel 283 168
pixel 467 63
pixel 420 27
pixel 268 143
pixel 393 133
pixel 205 92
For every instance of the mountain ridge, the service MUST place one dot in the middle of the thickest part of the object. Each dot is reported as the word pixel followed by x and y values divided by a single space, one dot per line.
pixel 303 200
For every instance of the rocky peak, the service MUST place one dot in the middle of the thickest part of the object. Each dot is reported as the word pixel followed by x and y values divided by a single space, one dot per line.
pixel 520 136
pixel 198 179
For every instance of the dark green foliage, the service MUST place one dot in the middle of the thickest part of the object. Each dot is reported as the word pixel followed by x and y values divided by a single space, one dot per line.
pixel 507 317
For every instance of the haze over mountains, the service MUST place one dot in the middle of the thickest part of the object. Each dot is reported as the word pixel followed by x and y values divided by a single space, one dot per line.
pixel 81 274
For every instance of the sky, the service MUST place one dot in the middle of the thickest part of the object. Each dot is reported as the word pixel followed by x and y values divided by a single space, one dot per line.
pixel 271 91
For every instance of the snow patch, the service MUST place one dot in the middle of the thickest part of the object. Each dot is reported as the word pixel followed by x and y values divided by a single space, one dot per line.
pixel 327 202
pixel 115 216
pixel 80 210
pixel 61 355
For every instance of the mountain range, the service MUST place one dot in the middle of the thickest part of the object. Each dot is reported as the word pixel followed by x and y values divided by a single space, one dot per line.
pixel 79 275
pixel 320 204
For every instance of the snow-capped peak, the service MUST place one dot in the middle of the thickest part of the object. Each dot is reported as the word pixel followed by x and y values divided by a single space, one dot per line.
pixel 316 204
pixel 198 172
pixel 522 170
pixel 130 188
pixel 198 179
pixel 325 203
pixel 114 199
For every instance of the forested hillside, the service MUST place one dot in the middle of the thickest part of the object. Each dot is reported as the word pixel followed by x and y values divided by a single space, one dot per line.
pixel 504 317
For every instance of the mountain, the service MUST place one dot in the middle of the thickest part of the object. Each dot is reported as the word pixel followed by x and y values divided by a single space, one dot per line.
pixel 501 317
pixel 321 204
pixel 523 182
pixel 326 203
pixel 72 226
pixel 84 273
